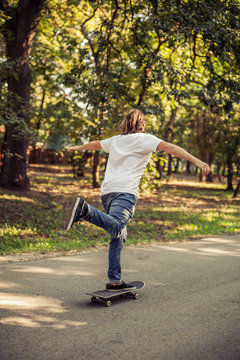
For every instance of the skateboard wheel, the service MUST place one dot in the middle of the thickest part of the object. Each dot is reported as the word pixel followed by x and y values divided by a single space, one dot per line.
pixel 108 303
pixel 136 296
pixel 93 299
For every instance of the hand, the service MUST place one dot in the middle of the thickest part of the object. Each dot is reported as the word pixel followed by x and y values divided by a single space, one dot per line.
pixel 205 168
pixel 71 149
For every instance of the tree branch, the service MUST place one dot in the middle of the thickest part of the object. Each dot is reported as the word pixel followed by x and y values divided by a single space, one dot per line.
pixel 148 69
pixel 85 34
pixel 120 56
pixel 110 32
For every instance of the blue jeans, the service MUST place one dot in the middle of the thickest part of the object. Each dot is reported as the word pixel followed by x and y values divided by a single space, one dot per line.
pixel 119 208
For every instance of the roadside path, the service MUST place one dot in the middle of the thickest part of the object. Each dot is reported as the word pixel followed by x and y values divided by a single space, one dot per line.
pixel 188 310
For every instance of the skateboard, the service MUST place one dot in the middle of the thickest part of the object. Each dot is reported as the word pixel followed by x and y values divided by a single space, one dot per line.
pixel 105 296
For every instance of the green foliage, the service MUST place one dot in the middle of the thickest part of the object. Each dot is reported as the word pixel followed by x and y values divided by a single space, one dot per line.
pixel 92 61
pixel 105 61
pixel 150 180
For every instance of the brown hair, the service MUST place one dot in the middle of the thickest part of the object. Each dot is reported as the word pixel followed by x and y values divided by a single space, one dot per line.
pixel 134 122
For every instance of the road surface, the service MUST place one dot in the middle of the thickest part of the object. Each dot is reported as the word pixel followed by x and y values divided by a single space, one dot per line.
pixel 188 310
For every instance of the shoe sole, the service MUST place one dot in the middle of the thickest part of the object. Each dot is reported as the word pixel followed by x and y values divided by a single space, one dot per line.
pixel 70 219
pixel 125 289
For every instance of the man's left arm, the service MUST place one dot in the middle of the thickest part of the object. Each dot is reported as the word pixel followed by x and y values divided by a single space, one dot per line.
pixel 183 154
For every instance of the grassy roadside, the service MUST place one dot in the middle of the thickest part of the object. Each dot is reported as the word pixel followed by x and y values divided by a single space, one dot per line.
pixel 33 221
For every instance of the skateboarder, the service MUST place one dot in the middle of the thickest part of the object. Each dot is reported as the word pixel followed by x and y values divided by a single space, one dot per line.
pixel 129 154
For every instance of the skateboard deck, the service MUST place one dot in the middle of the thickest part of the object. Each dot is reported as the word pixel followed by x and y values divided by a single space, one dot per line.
pixel 105 295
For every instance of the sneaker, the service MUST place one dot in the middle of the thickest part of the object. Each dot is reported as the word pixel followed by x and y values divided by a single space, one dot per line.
pixel 121 286
pixel 79 210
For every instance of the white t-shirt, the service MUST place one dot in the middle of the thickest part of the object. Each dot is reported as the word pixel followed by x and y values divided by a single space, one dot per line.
pixel 128 157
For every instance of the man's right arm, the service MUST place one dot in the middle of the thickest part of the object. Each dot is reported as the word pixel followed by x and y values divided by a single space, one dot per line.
pixel 91 146
pixel 183 154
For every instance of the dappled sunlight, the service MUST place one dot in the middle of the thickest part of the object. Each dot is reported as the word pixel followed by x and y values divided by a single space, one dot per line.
pixel 19 321
pixel 14 197
pixel 45 270
pixel 203 185
pixel 210 247
pixel 163 222
pixel 21 301
pixel 37 321
pixel 71 259
pixel 176 249
pixel 220 241
pixel 188 227
pixel 142 248
pixel 13 231
pixel 157 283
pixel 9 285
pixel 214 251
pixel 232 243
pixel 205 251
pixel 34 312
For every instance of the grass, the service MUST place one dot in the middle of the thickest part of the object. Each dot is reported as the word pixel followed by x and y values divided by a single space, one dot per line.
pixel 180 210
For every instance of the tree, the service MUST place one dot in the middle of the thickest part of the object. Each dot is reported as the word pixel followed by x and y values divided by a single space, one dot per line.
pixel 18 31
pixel 94 59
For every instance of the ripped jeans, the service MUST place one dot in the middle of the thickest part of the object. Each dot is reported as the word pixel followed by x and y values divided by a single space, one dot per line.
pixel 119 208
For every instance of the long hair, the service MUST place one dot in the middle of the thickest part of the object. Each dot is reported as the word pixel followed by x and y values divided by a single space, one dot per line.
pixel 134 122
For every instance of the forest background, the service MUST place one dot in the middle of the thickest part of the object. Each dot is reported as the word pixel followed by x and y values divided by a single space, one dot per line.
pixel 70 70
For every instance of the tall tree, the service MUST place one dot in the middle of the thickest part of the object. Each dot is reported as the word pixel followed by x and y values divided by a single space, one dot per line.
pixel 18 31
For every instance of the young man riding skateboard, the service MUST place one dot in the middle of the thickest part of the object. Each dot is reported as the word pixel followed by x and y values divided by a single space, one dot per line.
pixel 129 154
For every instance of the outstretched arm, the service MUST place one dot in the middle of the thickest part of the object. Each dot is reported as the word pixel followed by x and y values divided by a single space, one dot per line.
pixel 92 145
pixel 183 154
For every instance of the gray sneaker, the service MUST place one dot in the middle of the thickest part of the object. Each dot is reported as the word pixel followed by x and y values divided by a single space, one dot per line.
pixel 79 210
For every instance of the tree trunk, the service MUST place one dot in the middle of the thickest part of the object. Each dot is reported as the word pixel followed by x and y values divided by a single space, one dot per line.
pixel 176 166
pixel 78 163
pixel 95 169
pixel 167 137
pixel 19 32
pixel 201 134
pixel 159 168
pixel 218 171
pixel 170 125
pixel 229 175
pixel 38 125
pixel 169 171
pixel 188 168
pixel 224 170
pixel 13 171
pixel 209 177
pixel 236 191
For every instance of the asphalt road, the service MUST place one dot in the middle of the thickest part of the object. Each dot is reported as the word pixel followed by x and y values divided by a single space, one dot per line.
pixel 189 308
